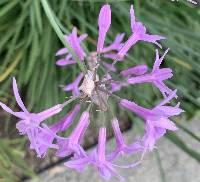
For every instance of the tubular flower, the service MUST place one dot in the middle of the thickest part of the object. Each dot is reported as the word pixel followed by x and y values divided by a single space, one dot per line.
pixel 156 119
pixel 30 123
pixel 74 87
pixel 104 25
pixel 45 138
pixel 136 70
pixel 139 33
pixel 116 45
pixel 95 89
pixel 157 76
pixel 74 41
pixel 71 144
pixel 121 147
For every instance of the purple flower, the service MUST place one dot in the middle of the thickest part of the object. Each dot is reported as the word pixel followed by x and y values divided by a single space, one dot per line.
pixel 74 86
pixel 45 139
pixel 116 45
pixel 66 61
pixel 64 51
pixel 71 144
pixel 68 119
pixel 109 67
pixel 121 147
pixel 136 70
pixel 74 41
pixel 139 33
pixel 116 86
pixel 104 22
pixel 29 123
pixel 157 76
pixel 156 119
pixel 111 56
pixel 155 129
pixel 75 44
pixel 99 160
pixel 96 159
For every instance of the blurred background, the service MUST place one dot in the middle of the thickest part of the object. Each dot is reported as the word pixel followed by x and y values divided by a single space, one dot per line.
pixel 27 51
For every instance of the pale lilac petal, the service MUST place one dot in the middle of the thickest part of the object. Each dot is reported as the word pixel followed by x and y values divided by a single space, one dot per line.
pixel 74 86
pixel 22 127
pixel 75 92
pixel 119 38
pixel 63 147
pixel 82 37
pixel 32 139
pixel 78 164
pixel 44 141
pixel 168 99
pixel 168 110
pixel 64 62
pixel 64 51
pixel 49 113
pixel 132 40
pixel 142 112
pixel 68 119
pixel 162 74
pixel 7 109
pixel 165 123
pixel 133 20
pixel 117 86
pixel 163 88
pixel 116 45
pixel 71 144
pixel 159 132
pixel 141 79
pixel 136 27
pixel 112 56
pixel 117 132
pixel 109 67
pixel 136 70
pixel 80 129
pixel 158 60
pixel 104 173
pixel 61 52
pixel 102 144
pixel 121 147
pixel 152 39
pixel 17 96
pixel 104 22
pixel 75 44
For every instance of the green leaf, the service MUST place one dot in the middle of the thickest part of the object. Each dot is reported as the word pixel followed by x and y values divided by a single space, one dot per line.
pixel 183 146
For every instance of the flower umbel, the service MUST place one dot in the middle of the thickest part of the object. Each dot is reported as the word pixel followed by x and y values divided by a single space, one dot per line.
pixel 94 89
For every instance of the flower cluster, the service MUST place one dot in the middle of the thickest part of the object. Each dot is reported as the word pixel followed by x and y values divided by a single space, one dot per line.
pixel 95 87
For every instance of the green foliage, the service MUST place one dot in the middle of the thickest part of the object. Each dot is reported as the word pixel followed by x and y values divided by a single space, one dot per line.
pixel 28 44
pixel 11 161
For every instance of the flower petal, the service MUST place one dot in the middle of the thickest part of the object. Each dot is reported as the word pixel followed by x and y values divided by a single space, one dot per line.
pixel 165 123
pixel 64 62
pixel 104 22
pixel 7 109
pixel 17 96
